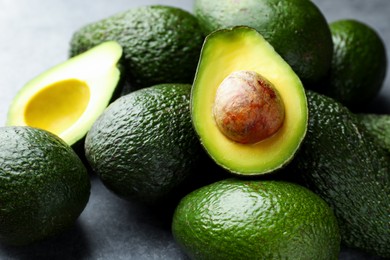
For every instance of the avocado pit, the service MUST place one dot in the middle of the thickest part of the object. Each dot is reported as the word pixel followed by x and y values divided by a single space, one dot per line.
pixel 247 107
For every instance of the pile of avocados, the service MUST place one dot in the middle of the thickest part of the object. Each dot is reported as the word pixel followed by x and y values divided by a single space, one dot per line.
pixel 251 120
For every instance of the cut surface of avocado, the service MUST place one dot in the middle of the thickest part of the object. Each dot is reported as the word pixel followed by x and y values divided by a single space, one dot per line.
pixel 68 98
pixel 241 48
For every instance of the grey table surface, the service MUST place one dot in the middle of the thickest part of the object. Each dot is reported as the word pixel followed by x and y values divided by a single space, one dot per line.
pixel 34 36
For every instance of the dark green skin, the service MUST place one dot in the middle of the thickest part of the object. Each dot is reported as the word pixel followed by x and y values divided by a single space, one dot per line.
pixel 44 185
pixel 255 219
pixel 121 89
pixel 359 64
pixel 378 126
pixel 161 44
pixel 295 28
pixel 340 162
pixel 143 146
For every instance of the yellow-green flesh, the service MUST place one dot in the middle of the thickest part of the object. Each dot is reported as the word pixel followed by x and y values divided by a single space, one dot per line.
pixel 69 97
pixel 244 49
pixel 58 106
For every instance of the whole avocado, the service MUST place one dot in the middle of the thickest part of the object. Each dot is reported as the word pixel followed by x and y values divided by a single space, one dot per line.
pixel 297 30
pixel 44 185
pixel 161 44
pixel 345 166
pixel 359 64
pixel 144 146
pixel 255 219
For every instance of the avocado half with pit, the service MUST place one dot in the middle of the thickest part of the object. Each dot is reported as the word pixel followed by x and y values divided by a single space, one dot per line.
pixel 68 98
pixel 248 106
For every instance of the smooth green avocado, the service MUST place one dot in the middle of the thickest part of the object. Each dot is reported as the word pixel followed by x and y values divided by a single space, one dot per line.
pixel 248 106
pixel 44 185
pixel 255 219
pixel 297 30
pixel 342 163
pixel 161 44
pixel 143 146
pixel 359 64
pixel 67 98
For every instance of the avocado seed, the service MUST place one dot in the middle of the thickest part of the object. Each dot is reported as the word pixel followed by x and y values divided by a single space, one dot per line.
pixel 247 107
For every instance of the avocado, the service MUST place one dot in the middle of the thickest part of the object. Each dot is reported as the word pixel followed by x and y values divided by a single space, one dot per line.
pixel 297 30
pixel 255 219
pixel 341 163
pixel 144 146
pixel 44 185
pixel 248 107
pixel 67 98
pixel 378 126
pixel 359 64
pixel 161 44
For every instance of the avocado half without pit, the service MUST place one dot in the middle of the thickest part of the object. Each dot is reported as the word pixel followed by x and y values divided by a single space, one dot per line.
pixel 68 98
pixel 248 106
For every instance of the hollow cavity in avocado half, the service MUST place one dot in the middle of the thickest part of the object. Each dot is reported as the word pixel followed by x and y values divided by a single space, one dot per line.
pixel 248 106
pixel 68 98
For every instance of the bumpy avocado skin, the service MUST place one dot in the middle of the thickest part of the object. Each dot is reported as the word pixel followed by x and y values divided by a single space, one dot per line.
pixel 161 44
pixel 44 185
pixel 144 146
pixel 297 30
pixel 342 163
pixel 378 126
pixel 359 64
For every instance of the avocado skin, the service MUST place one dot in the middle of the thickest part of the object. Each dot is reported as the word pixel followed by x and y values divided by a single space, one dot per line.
pixel 359 64
pixel 161 44
pixel 297 30
pixel 255 219
pixel 378 126
pixel 144 146
pixel 341 162
pixel 44 185
pixel 121 89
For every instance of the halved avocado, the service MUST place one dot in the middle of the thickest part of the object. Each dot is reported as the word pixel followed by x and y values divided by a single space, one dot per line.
pixel 243 88
pixel 68 98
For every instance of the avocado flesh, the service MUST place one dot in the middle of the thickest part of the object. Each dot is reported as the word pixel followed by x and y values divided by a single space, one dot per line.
pixel 242 48
pixel 68 98
pixel 340 162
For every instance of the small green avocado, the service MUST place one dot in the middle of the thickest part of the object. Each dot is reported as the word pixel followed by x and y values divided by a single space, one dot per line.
pixel 69 97
pixel 342 163
pixel 255 219
pixel 144 146
pixel 161 44
pixel 359 64
pixel 297 29
pixel 248 107
pixel 44 185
